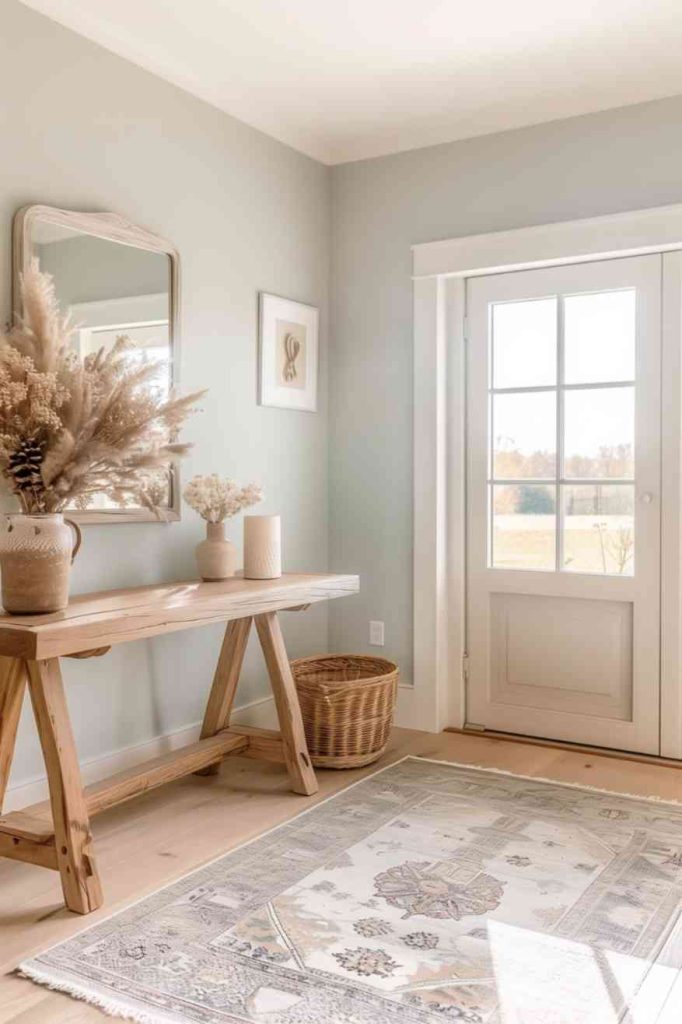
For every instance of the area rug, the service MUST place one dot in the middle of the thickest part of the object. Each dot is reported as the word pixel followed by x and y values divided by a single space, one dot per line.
pixel 424 894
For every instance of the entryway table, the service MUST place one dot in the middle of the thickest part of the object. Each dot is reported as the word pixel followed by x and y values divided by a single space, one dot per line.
pixel 57 834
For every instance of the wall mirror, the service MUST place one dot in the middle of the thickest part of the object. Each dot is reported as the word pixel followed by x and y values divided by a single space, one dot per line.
pixel 115 279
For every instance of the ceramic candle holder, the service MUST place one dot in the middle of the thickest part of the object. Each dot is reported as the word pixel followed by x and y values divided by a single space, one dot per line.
pixel 262 547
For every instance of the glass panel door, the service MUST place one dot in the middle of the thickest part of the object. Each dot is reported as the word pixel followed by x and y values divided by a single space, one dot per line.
pixel 563 477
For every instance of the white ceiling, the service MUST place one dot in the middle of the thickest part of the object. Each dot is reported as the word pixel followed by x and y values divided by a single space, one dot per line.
pixel 346 79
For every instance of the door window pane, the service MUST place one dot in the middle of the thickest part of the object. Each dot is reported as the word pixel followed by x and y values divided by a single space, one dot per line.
pixel 599 337
pixel 524 526
pixel 599 433
pixel 599 529
pixel 524 343
pixel 524 435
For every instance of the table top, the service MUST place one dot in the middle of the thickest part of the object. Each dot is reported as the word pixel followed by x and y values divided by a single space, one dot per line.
pixel 118 616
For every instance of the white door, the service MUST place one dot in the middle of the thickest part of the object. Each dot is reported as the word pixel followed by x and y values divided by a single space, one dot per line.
pixel 563 541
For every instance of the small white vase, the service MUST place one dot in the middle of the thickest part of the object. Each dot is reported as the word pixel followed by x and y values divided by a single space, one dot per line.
pixel 216 556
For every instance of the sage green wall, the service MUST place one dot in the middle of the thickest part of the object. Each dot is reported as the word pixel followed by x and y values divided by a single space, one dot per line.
pixel 86 130
pixel 619 160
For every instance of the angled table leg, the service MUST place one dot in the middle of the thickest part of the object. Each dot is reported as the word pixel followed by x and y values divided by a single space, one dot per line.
pixel 296 754
pixel 221 699
pixel 73 840
pixel 12 687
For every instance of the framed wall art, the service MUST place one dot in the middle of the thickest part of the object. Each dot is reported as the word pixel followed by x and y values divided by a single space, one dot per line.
pixel 288 334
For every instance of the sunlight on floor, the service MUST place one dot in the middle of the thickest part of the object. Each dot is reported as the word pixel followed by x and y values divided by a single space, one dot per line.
pixel 545 979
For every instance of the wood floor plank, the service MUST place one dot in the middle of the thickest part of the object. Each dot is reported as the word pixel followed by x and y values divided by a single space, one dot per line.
pixel 164 834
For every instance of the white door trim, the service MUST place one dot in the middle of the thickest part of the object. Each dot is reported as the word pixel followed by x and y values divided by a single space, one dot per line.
pixel 658 229
pixel 671 507
pixel 440 439
pixel 439 474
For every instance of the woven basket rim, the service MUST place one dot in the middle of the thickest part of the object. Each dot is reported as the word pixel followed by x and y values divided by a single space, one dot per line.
pixel 333 686
pixel 338 689
pixel 377 659
pixel 391 674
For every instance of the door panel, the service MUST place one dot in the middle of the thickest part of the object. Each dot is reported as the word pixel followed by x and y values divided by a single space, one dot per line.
pixel 563 529
pixel 588 660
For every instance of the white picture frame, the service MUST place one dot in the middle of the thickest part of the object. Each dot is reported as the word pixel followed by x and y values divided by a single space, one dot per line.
pixel 288 347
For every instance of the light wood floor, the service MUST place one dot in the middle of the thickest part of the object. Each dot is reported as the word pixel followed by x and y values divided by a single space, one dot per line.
pixel 161 836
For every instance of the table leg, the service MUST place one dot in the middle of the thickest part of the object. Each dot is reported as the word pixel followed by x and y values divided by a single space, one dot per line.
pixel 296 754
pixel 221 699
pixel 12 687
pixel 73 840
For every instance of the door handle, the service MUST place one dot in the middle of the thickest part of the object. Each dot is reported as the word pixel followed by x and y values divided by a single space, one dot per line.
pixel 647 497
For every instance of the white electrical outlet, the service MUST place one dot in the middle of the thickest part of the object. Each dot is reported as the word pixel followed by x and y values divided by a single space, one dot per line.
pixel 376 634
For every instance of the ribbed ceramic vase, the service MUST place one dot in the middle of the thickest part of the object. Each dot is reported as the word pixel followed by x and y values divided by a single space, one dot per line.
pixel 262 547
pixel 216 556
pixel 36 552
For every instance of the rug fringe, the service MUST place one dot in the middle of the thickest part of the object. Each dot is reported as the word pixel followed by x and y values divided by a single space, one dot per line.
pixel 29 968
pixel 541 778
pixel 111 1007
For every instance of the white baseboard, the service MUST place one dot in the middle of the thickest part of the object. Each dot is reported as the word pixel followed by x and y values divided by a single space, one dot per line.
pixel 259 713
pixel 410 711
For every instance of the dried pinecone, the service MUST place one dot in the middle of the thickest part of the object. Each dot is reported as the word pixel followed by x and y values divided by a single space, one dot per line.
pixel 24 465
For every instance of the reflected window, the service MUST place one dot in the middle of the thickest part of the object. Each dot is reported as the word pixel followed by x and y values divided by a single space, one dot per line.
pixel 112 290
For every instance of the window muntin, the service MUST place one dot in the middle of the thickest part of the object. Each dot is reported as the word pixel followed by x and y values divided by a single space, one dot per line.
pixel 562 423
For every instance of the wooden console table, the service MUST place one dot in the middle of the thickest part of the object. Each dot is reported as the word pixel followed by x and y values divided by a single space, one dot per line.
pixel 30 651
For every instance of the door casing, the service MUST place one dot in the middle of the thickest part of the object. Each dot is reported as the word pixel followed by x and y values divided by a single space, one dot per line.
pixel 436 698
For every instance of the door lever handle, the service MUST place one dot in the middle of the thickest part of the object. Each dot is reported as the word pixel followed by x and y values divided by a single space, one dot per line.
pixel 647 497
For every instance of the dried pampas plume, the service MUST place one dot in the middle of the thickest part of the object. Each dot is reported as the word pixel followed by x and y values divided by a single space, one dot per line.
pixel 72 428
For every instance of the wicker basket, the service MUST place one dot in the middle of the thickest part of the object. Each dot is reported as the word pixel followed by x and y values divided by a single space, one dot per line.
pixel 347 702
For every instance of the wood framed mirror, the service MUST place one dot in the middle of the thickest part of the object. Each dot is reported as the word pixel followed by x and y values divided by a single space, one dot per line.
pixel 114 278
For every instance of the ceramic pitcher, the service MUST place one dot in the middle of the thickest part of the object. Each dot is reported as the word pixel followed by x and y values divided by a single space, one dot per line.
pixel 36 552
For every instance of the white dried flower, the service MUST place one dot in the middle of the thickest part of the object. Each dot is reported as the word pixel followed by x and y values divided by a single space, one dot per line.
pixel 216 498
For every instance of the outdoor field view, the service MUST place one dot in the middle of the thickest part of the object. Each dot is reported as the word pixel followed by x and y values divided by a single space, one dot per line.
pixel 562 419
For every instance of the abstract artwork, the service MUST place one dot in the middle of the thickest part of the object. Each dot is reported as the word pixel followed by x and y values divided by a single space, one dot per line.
pixel 288 353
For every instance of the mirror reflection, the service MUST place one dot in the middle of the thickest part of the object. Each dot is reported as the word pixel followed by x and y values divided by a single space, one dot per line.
pixel 112 290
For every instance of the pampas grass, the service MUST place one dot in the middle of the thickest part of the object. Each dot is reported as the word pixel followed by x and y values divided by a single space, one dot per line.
pixel 98 424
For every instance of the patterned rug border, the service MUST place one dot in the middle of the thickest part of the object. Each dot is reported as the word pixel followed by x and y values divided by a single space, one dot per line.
pixel 529 778
pixel 56 981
